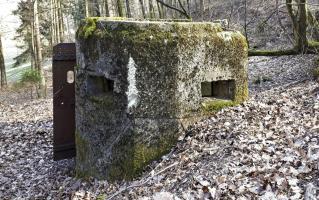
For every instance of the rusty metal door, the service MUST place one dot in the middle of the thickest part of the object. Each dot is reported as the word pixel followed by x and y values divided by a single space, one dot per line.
pixel 64 61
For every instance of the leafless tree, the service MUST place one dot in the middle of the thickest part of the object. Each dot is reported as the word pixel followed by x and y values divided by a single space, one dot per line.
pixel 38 50
pixel 3 77
pixel 298 13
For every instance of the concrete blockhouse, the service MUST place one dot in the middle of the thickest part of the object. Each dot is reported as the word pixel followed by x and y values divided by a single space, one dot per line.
pixel 140 84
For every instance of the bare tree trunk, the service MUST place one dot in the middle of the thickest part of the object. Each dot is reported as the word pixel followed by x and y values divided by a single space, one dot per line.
pixel 196 6
pixel 245 25
pixel 300 23
pixel 96 9
pixel 134 9
pixel 87 12
pixel 3 76
pixel 143 8
pixel 151 9
pixel 160 10
pixel 283 28
pixel 106 8
pixel 39 67
pixel 56 19
pixel 201 9
pixel 128 8
pixel 57 22
pixel 60 21
pixel 34 64
pixel 120 8
pixel 189 7
pixel 32 42
pixel 53 35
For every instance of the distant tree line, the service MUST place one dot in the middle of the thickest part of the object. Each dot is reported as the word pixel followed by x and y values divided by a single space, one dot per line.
pixel 160 9
pixel 45 23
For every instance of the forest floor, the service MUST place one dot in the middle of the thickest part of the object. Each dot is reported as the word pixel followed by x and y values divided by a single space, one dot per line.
pixel 266 148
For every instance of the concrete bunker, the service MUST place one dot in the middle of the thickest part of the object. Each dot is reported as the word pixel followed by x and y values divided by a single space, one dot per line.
pixel 140 84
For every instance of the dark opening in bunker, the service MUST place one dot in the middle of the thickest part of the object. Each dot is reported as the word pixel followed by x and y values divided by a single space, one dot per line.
pixel 99 85
pixel 223 89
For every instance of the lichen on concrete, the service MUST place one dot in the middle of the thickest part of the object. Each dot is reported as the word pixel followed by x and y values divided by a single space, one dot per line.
pixel 157 69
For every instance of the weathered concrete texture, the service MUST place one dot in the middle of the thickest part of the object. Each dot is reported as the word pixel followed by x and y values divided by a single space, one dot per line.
pixel 139 85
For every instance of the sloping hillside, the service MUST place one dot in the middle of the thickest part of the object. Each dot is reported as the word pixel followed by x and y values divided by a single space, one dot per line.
pixel 266 148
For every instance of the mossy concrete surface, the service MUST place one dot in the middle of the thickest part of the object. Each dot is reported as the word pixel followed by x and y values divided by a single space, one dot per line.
pixel 156 70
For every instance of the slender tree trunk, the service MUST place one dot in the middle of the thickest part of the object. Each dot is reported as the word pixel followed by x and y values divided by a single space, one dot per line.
pixel 134 7
pixel 196 6
pixel 143 8
pixel 106 8
pixel 160 10
pixel 128 8
pixel 3 76
pixel 31 47
pixel 53 35
pixel 32 55
pixel 34 61
pixel 96 9
pixel 56 22
pixel 120 8
pixel 245 25
pixel 39 67
pixel 60 21
pixel 87 12
pixel 300 23
pixel 164 10
pixel 201 9
pixel 283 28
pixel 151 11
pixel 189 7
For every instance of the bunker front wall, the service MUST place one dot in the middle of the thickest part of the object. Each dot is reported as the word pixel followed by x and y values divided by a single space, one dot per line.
pixel 138 87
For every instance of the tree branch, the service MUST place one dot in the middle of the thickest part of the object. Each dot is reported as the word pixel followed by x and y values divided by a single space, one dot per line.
pixel 183 11
pixel 181 5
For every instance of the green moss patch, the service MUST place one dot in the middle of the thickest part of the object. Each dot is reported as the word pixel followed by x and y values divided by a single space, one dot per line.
pixel 217 105
pixel 82 149
pixel 86 30
pixel 81 152
pixel 137 156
